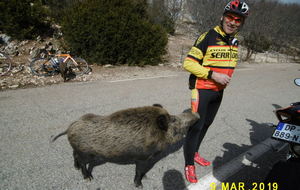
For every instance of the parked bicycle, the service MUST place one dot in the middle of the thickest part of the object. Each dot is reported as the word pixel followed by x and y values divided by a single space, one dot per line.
pixel 5 64
pixel 59 63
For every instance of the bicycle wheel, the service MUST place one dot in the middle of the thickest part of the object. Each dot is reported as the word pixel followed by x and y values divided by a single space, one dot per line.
pixel 42 67
pixel 80 67
pixel 5 64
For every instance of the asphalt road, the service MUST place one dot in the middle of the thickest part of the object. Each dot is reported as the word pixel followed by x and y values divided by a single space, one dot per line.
pixel 29 117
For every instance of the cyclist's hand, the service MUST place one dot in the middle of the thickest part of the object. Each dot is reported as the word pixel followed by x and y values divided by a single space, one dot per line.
pixel 220 78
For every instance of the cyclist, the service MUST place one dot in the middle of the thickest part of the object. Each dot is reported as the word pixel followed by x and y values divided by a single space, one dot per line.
pixel 211 62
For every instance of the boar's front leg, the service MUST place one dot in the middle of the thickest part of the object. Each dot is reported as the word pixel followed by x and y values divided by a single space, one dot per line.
pixel 142 167
pixel 94 161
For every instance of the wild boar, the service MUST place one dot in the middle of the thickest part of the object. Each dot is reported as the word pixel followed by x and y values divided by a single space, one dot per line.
pixel 134 135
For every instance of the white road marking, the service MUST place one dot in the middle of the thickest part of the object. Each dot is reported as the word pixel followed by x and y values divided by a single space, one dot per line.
pixel 235 165
pixel 143 78
pixel 162 76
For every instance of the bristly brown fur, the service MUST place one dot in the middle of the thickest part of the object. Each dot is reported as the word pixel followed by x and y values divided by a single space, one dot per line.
pixel 134 135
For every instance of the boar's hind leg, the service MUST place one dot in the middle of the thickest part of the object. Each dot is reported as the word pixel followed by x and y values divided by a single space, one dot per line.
pixel 84 171
pixel 76 162
pixel 80 162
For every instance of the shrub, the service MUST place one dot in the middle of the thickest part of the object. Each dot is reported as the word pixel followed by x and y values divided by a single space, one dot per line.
pixel 160 15
pixel 113 32
pixel 24 19
pixel 256 42
pixel 56 7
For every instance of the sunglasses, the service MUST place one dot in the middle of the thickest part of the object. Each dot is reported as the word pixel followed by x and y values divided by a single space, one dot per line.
pixel 230 18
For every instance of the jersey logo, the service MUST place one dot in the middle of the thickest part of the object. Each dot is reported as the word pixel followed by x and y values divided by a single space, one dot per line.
pixel 219 41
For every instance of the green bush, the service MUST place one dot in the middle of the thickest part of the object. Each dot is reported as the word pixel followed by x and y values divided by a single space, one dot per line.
pixel 113 32
pixel 24 19
pixel 57 7
pixel 257 42
pixel 159 15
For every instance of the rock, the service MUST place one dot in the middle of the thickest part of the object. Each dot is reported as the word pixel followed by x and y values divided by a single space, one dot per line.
pixel 5 38
pixel 11 48
pixel 23 43
pixel 17 69
pixel 27 69
pixel 38 38
pixel 108 66
pixel 13 86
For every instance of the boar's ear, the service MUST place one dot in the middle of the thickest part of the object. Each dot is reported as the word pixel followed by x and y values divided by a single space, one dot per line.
pixel 162 122
pixel 158 105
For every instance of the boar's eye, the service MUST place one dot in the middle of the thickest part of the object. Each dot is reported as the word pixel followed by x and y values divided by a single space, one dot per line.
pixel 173 119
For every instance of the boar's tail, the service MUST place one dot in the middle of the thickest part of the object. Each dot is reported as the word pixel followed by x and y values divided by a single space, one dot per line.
pixel 59 135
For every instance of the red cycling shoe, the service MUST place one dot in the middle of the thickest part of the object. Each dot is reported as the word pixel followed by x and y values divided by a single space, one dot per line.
pixel 190 174
pixel 201 161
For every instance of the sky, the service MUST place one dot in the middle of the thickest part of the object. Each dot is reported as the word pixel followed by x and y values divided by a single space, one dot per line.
pixel 290 1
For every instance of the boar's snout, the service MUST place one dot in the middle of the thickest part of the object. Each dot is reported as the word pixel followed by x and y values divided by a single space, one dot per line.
pixel 179 124
pixel 189 118
pixel 189 110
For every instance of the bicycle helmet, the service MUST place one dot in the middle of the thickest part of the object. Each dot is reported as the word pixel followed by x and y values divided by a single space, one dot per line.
pixel 239 7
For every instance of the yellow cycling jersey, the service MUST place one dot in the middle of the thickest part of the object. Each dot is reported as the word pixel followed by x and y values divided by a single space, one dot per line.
pixel 212 51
